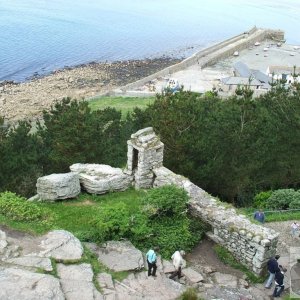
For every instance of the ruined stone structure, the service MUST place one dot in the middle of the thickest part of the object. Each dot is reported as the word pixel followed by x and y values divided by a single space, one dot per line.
pixel 250 243
pixel 101 179
pixel 145 152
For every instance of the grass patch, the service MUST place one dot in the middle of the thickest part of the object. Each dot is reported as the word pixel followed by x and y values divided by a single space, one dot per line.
pixel 227 258
pixel 189 294
pixel 124 104
pixel 121 215
pixel 271 216
pixel 75 215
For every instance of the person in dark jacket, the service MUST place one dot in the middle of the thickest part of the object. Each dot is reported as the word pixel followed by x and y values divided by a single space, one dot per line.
pixel 259 216
pixel 272 269
pixel 279 284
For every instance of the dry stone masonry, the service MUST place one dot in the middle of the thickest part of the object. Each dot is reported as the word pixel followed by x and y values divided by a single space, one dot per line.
pixel 145 152
pixel 101 179
pixel 251 244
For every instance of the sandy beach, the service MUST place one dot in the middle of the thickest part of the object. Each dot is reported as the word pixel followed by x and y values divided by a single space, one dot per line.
pixel 27 100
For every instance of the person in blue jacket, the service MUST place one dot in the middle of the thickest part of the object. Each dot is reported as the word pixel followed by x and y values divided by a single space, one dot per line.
pixel 259 216
pixel 151 261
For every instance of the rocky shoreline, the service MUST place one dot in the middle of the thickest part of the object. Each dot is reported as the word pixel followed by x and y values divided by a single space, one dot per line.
pixel 27 100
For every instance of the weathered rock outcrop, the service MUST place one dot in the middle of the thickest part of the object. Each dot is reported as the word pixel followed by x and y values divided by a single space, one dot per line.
pixel 192 276
pixel 120 256
pixel 58 186
pixel 77 282
pixel 31 261
pixel 6 250
pixel 61 245
pixel 100 179
pixel 140 286
pixel 16 284
pixel 107 286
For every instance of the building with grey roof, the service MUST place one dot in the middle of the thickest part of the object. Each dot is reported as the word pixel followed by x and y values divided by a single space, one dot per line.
pixel 241 70
pixel 232 83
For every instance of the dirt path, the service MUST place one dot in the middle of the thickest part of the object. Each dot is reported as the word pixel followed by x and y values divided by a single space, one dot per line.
pixel 285 238
pixel 27 242
pixel 204 256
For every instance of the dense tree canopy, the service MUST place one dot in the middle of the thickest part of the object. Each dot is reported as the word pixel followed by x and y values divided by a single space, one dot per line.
pixel 232 147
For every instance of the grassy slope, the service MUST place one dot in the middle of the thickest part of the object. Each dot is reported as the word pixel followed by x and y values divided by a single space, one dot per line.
pixel 75 215
pixel 125 104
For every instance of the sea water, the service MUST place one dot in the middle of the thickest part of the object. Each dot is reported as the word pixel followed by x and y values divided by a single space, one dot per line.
pixel 39 36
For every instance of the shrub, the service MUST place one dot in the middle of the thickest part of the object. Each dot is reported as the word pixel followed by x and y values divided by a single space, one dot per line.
pixel 173 234
pixel 161 220
pixel 260 199
pixel 115 222
pixel 166 201
pixel 189 294
pixel 295 203
pixel 19 209
pixel 281 199
pixel 171 227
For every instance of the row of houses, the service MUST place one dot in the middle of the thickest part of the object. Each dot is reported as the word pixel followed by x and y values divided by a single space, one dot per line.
pixel 256 79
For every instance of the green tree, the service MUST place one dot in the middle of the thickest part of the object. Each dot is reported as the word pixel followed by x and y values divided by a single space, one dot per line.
pixel 20 160
pixel 71 133
pixel 233 147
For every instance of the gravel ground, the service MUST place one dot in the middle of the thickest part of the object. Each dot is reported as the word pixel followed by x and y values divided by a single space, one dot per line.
pixel 285 238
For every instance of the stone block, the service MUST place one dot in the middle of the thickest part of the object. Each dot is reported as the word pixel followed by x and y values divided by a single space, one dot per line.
pixel 112 256
pixel 77 282
pixel 101 179
pixel 265 242
pixel 21 284
pixel 32 261
pixel 192 276
pixel 61 245
pixel 167 267
pixel 58 186
pixel 105 281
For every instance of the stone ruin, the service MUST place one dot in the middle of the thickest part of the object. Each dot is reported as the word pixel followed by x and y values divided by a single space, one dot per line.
pixel 251 244
pixel 145 153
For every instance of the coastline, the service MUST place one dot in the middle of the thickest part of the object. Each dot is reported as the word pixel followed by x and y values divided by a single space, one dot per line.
pixel 27 100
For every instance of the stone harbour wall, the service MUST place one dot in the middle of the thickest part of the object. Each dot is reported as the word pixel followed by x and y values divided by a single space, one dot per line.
pixel 213 54
pixel 251 244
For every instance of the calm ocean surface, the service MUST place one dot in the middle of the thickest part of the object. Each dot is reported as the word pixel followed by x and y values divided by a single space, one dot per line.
pixel 44 35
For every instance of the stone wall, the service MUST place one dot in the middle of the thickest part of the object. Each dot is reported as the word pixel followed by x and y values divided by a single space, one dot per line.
pixel 251 244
